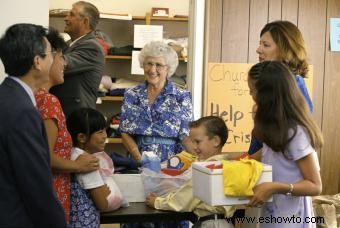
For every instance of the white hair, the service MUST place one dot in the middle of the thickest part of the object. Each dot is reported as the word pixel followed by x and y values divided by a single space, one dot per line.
pixel 160 49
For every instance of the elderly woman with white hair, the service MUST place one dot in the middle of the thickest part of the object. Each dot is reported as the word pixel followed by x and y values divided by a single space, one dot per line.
pixel 155 114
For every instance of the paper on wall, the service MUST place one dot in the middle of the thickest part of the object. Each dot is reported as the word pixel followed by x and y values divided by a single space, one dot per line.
pixel 145 33
pixel 335 34
pixel 135 67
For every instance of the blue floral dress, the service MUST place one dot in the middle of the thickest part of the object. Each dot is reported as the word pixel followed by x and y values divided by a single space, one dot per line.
pixel 168 116
pixel 83 212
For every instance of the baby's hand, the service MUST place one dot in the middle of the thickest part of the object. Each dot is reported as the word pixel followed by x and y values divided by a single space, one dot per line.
pixel 150 199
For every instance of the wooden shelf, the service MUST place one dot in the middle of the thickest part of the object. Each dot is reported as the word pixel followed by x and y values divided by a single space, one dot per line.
pixel 63 14
pixel 114 140
pixel 112 98
pixel 118 57
pixel 130 57
pixel 160 18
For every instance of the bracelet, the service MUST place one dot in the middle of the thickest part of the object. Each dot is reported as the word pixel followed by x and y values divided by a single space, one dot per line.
pixel 291 188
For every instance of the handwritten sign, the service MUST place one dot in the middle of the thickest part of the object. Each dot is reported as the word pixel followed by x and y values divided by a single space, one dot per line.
pixel 228 97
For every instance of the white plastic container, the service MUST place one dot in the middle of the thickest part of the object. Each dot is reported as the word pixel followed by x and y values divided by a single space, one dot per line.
pixel 208 184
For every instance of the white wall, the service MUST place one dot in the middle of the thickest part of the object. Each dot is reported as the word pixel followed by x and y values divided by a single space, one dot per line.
pixel 196 48
pixel 11 13
pixel 134 7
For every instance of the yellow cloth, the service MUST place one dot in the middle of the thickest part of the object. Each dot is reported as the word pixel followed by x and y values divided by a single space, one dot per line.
pixel 239 177
pixel 183 200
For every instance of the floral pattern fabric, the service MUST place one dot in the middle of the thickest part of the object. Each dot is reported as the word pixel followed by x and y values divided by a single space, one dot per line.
pixel 49 108
pixel 168 116
pixel 83 211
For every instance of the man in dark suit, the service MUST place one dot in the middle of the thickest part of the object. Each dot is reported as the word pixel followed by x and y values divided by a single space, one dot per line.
pixel 27 198
pixel 84 60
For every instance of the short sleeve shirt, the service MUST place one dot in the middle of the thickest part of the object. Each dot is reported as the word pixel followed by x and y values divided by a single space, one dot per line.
pixel 87 180
pixel 168 116
pixel 285 170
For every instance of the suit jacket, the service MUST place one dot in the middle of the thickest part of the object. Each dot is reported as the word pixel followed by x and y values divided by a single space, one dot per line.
pixel 27 198
pixel 83 73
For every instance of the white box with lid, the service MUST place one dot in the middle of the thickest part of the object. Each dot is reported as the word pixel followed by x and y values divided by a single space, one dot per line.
pixel 208 184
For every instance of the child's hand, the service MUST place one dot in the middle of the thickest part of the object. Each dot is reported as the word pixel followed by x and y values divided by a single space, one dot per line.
pixel 262 193
pixel 106 190
pixel 150 199
pixel 87 163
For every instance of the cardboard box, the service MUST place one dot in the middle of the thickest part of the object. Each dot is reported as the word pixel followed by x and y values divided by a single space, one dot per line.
pixel 131 186
pixel 208 184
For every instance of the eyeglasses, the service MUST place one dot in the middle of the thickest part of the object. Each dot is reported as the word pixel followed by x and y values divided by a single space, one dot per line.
pixel 159 67
pixel 53 53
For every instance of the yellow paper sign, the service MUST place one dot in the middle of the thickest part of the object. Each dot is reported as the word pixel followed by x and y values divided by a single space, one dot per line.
pixel 228 97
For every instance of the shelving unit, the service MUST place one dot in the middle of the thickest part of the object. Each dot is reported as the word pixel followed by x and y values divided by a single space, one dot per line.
pixel 129 57
pixel 119 66
pixel 63 14
pixel 118 57
pixel 112 98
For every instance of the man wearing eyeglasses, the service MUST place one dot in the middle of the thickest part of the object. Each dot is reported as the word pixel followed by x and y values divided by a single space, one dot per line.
pixel 84 59
pixel 27 198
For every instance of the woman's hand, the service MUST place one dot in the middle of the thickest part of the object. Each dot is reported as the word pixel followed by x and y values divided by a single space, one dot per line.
pixel 136 154
pixel 87 163
pixel 262 193
pixel 150 199
pixel 131 146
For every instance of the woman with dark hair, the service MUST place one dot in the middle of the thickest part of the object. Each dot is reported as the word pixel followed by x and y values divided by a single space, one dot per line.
pixel 290 139
pixel 59 139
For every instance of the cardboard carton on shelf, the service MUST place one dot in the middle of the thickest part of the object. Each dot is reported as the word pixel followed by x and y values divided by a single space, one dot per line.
pixel 208 184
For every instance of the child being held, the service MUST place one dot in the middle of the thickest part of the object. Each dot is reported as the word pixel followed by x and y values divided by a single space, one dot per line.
pixel 208 134
pixel 88 131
